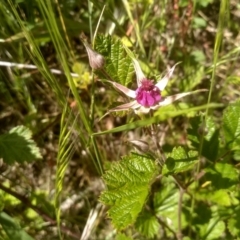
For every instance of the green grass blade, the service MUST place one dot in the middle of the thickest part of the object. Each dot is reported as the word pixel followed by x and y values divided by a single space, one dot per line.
pixel 65 152
pixel 156 119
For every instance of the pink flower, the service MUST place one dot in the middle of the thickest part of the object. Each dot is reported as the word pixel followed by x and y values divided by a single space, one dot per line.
pixel 148 95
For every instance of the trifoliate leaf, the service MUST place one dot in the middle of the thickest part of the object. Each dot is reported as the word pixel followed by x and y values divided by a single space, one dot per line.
pixel 147 224
pixel 231 125
pixel 18 146
pixel 179 160
pixel 118 65
pixel 128 183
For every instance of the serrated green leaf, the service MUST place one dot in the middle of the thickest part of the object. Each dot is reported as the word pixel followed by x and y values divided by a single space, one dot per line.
pixel 128 183
pixel 18 146
pixel 179 160
pixel 165 200
pixel 133 170
pixel 118 195
pixel 233 224
pixel 227 171
pixel 12 228
pixel 126 209
pixel 213 230
pixel 166 206
pixel 220 197
pixel 222 176
pixel 231 125
pixel 147 224
pixel 207 222
pixel 118 65
pixel 210 145
pixel 121 236
pixel 202 214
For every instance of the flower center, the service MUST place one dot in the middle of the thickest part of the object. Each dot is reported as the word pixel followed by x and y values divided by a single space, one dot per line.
pixel 148 94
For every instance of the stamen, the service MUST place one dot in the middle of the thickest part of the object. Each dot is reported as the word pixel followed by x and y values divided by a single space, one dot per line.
pixel 148 94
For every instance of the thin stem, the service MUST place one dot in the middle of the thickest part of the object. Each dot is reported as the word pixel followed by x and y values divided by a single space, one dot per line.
pixel 97 154
pixel 90 18
pixel 31 66
pixel 91 115
pixel 179 234
pixel 96 30
pixel 161 154
pixel 64 28
pixel 92 75
pixel 180 203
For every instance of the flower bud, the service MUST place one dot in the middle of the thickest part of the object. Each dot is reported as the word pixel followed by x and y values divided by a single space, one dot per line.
pixel 202 130
pixel 96 60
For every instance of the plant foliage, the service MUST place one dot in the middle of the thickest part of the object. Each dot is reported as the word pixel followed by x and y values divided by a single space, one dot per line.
pixel 12 228
pixel 231 125
pixel 128 184
pixel 18 146
pixel 183 181
pixel 118 65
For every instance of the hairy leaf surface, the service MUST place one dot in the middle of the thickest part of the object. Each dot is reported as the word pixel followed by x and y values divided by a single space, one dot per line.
pixel 128 183
pixel 180 160
pixel 18 146
pixel 118 64
pixel 231 125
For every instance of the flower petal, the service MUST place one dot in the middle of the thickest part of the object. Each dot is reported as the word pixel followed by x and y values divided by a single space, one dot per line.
pixel 161 84
pixel 171 99
pixel 143 110
pixel 140 75
pixel 128 92
pixel 96 60
pixel 134 104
